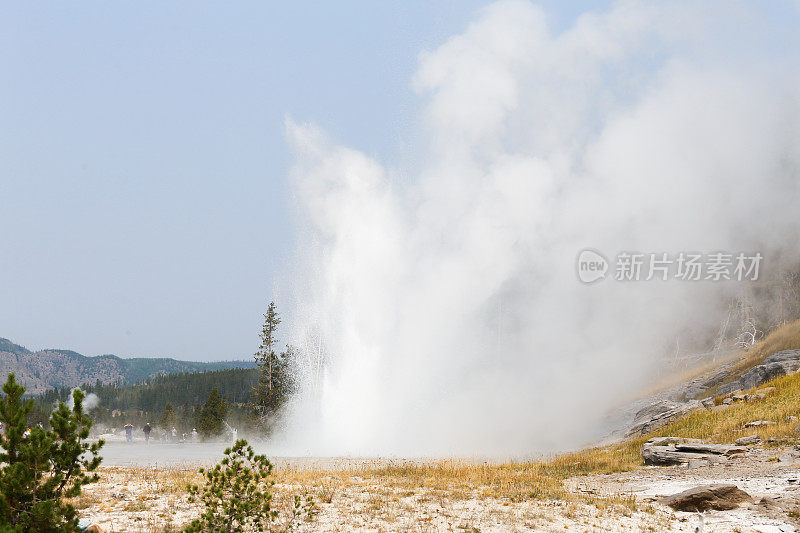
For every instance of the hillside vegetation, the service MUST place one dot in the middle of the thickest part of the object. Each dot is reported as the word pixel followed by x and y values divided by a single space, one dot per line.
pixel 784 337
pixel 726 425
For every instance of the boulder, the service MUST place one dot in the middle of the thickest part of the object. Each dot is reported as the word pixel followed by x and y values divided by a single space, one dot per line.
pixel 693 390
pixel 728 388
pixel 746 441
pixel 774 366
pixel 660 414
pixel 758 423
pixel 697 463
pixel 727 401
pixel 668 456
pixel 654 410
pixel 717 449
pixel 761 374
pixel 708 403
pixel 668 451
pixel 666 441
pixel 717 379
pixel 789 358
pixel 717 459
pixel 720 497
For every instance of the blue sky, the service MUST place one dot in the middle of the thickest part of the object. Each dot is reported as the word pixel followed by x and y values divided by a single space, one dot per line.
pixel 143 201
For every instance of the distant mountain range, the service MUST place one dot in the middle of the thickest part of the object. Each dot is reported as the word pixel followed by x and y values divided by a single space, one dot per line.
pixel 47 369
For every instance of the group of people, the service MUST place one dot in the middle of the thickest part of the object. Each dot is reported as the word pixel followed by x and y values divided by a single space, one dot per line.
pixel 171 435
pixel 25 434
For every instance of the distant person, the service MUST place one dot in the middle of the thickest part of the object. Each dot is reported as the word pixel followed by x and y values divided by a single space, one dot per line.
pixel 147 429
pixel 174 434
pixel 128 432
pixel 194 435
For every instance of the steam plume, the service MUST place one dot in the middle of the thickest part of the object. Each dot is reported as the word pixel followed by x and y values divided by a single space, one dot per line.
pixel 446 303
pixel 90 402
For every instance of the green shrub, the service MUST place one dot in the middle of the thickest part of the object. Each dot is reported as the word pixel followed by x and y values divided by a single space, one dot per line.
pixel 41 468
pixel 237 496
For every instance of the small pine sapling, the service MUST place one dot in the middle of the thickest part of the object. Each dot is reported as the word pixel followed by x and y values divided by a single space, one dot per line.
pixel 237 495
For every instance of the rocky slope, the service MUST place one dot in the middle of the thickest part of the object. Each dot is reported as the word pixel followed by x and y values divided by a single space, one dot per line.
pixel 46 369
pixel 726 382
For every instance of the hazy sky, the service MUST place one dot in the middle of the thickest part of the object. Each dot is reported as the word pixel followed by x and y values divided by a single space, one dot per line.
pixel 143 206
pixel 143 201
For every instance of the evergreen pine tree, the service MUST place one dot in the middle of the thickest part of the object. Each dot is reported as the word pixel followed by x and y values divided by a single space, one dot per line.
pixel 187 422
pixel 168 417
pixel 41 468
pixel 212 416
pixel 275 382
pixel 265 355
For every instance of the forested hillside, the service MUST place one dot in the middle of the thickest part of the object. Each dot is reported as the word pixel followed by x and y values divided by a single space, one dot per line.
pixel 52 368
pixel 154 394
pixel 176 400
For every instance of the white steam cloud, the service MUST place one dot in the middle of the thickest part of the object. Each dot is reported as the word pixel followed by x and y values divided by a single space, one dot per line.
pixel 446 303
pixel 90 401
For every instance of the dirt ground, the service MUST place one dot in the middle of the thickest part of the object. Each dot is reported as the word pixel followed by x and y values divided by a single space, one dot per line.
pixel 150 498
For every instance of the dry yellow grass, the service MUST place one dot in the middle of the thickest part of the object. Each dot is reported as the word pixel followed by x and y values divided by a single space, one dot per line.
pixel 728 424
pixel 158 479
pixel 544 479
pixel 784 337
pixel 516 481
pixel 722 426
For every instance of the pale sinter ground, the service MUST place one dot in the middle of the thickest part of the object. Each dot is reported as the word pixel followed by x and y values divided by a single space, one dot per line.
pixel 359 495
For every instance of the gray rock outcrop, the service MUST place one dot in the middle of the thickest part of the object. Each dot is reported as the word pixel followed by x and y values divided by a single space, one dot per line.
pixel 720 497
pixel 758 423
pixel 703 447
pixel 660 414
pixel 668 451
pixel 668 456
pixel 746 441
pixel 774 366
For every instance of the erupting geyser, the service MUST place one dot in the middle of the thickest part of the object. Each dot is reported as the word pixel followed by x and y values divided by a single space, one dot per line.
pixel 441 313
